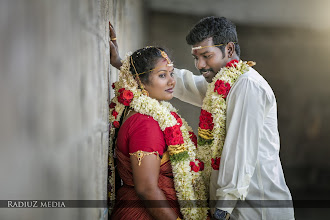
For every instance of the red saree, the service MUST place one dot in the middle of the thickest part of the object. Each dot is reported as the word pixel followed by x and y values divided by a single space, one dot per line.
pixel 127 204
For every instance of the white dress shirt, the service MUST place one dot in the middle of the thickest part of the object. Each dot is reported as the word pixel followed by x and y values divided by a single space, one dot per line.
pixel 250 167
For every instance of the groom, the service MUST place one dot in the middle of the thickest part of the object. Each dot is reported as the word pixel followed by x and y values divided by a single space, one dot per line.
pixel 249 166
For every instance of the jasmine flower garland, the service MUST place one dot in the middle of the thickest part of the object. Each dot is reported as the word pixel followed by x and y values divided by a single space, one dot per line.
pixel 212 124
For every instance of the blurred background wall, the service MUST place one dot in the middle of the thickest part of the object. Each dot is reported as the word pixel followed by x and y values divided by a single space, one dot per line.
pixel 54 64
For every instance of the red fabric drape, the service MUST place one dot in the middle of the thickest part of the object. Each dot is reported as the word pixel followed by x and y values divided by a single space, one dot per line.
pixel 127 204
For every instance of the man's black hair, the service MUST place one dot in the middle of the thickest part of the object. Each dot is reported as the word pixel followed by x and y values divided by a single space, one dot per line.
pixel 220 29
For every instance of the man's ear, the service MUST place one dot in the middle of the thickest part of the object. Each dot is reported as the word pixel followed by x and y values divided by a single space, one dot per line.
pixel 230 49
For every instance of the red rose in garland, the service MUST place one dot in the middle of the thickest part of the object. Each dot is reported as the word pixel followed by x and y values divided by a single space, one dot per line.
pixel 200 164
pixel 127 94
pixel 194 167
pixel 114 113
pixel 206 120
pixel 215 163
pixel 112 105
pixel 193 138
pixel 168 132
pixel 116 124
pixel 125 97
pixel 173 135
pixel 222 88
pixel 177 117
pixel 232 63
pixel 197 165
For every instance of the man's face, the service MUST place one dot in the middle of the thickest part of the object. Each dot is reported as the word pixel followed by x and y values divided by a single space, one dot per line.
pixel 209 60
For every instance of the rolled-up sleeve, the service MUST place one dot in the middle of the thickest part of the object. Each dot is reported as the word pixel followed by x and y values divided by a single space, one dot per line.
pixel 189 87
pixel 244 123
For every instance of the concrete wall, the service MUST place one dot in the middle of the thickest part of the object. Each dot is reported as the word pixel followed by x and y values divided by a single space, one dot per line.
pixel 294 13
pixel 54 63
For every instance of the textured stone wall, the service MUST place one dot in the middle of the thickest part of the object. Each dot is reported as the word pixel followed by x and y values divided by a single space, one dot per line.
pixel 54 64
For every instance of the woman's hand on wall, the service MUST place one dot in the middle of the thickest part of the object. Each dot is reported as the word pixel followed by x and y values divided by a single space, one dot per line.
pixel 115 59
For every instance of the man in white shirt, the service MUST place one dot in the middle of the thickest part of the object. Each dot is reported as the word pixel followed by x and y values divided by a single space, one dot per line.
pixel 250 167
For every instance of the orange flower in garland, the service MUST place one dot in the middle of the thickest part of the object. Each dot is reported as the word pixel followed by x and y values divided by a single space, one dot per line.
pixel 206 120
pixel 125 97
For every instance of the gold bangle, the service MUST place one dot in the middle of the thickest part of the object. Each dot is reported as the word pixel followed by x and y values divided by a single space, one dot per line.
pixel 113 38
pixel 141 154
pixel 178 218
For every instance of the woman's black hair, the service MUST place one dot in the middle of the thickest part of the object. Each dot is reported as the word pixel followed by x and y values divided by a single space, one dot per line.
pixel 145 60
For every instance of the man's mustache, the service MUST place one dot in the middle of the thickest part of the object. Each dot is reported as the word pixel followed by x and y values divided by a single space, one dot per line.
pixel 205 70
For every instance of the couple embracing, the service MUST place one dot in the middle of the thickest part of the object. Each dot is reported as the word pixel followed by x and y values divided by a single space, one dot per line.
pixel 159 169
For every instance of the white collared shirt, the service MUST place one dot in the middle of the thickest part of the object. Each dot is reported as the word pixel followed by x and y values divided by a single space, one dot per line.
pixel 250 167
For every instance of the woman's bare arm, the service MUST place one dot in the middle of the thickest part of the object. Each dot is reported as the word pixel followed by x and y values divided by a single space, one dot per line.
pixel 145 179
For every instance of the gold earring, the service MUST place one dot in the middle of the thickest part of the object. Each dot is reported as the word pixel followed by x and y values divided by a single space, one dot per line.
pixel 145 92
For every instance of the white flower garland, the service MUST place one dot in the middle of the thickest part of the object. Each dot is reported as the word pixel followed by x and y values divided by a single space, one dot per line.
pixel 215 104
pixel 188 184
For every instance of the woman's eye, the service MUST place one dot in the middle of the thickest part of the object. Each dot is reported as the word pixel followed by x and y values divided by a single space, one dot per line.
pixel 207 56
pixel 162 75
pixel 172 74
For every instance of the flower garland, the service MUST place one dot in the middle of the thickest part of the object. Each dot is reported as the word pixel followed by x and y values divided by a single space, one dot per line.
pixel 212 121
pixel 179 138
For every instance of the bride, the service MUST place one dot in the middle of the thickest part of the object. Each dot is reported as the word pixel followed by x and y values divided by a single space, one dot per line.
pixel 154 147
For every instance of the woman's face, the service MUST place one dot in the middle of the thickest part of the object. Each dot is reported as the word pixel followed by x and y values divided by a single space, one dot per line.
pixel 161 81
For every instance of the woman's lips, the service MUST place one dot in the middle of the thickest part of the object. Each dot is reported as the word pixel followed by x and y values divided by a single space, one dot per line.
pixel 170 90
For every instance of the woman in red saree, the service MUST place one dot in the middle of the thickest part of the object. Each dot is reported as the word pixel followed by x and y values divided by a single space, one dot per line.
pixel 155 149
pixel 143 162
pixel 152 180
